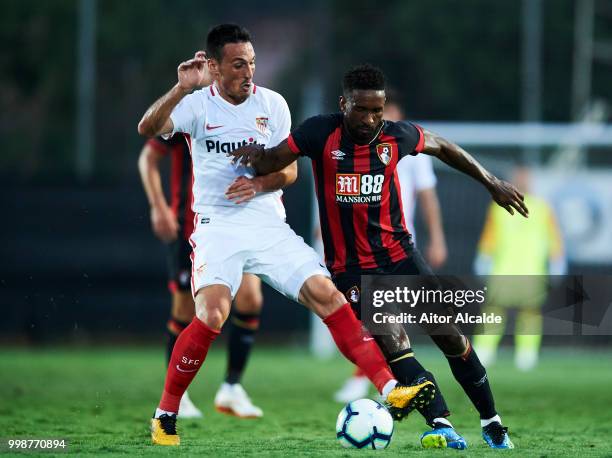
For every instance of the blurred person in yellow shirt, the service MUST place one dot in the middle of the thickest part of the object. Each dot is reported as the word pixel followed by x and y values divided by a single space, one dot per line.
pixel 517 255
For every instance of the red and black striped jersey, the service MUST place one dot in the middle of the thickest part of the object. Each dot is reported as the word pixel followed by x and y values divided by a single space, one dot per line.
pixel 358 190
pixel 181 178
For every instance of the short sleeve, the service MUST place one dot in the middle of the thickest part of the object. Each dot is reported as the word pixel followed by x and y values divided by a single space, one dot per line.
pixel 186 114
pixel 424 176
pixel 309 138
pixel 410 138
pixel 281 126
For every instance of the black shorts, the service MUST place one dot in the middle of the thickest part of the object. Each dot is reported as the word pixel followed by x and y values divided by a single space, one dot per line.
pixel 349 283
pixel 179 265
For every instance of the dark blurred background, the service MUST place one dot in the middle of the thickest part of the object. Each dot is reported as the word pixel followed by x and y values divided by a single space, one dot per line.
pixel 79 261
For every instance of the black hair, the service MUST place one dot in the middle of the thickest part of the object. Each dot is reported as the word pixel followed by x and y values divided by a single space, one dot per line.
pixel 222 34
pixel 365 77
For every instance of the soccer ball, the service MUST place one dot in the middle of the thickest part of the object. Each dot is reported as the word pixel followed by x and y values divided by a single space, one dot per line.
pixel 364 423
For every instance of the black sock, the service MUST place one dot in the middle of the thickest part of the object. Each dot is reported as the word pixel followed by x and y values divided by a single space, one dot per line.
pixel 472 377
pixel 407 369
pixel 174 328
pixel 241 338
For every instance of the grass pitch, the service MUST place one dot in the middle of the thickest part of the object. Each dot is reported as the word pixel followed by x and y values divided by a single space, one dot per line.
pixel 101 401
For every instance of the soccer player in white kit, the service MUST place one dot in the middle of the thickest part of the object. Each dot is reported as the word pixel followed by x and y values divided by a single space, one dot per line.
pixel 241 229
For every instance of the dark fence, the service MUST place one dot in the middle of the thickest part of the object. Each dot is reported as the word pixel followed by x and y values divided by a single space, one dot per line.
pixel 81 263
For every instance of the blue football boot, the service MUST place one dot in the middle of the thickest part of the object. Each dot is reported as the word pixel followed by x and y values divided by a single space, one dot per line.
pixel 496 436
pixel 443 436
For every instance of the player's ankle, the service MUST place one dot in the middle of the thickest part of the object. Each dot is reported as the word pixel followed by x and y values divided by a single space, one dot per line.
pixel 488 421
pixel 159 412
pixel 389 387
pixel 443 422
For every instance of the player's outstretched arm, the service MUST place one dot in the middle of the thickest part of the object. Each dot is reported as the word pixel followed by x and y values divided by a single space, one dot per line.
pixel 502 192
pixel 192 74
pixel 265 161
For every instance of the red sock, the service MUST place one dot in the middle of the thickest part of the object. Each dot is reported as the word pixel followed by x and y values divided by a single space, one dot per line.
pixel 360 349
pixel 358 372
pixel 187 357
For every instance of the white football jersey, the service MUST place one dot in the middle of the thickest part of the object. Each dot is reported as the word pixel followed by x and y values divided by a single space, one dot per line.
pixel 415 174
pixel 217 127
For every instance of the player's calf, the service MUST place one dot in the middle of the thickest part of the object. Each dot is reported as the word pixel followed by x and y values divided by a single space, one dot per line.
pixel 187 357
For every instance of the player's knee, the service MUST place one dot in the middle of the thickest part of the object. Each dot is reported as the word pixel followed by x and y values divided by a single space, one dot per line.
pixel 212 315
pixel 249 302
pixel 321 296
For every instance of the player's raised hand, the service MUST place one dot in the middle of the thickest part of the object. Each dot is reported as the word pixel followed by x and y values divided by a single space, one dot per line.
pixel 508 197
pixel 164 223
pixel 247 154
pixel 193 73
pixel 242 189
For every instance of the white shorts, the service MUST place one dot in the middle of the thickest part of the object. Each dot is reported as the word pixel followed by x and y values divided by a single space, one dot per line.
pixel 224 249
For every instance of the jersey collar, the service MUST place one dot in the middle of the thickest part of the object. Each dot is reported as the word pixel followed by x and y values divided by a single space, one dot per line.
pixel 374 137
pixel 218 93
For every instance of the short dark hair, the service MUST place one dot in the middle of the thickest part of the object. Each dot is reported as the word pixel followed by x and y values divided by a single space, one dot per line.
pixel 364 77
pixel 222 34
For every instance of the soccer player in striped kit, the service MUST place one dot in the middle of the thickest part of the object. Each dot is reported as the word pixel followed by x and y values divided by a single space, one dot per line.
pixel 354 156
pixel 417 182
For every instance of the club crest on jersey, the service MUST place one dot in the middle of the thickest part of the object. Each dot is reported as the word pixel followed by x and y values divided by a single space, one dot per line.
pixel 262 124
pixel 385 152
pixel 353 294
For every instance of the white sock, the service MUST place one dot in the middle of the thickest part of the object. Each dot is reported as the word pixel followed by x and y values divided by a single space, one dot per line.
pixel 484 423
pixel 388 387
pixel 159 412
pixel 444 421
